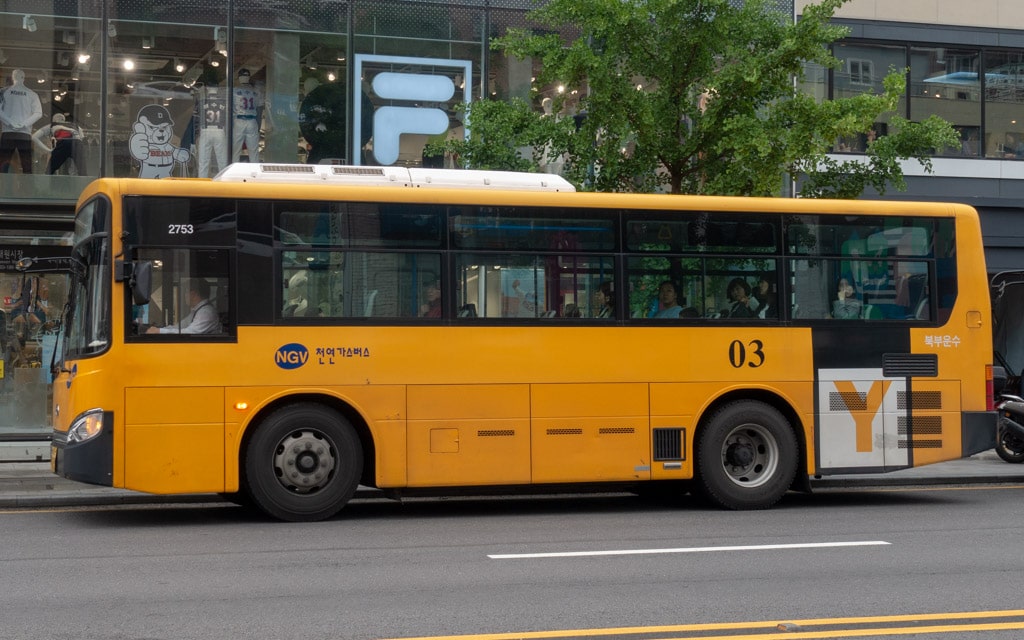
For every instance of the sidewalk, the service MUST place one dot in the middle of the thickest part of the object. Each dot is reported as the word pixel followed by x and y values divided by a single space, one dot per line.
pixel 31 485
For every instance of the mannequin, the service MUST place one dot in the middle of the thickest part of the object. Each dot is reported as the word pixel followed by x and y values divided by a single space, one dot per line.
pixel 248 102
pixel 213 139
pixel 19 110
pixel 63 141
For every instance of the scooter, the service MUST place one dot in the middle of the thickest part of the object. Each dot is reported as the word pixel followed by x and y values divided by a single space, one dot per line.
pixel 1010 428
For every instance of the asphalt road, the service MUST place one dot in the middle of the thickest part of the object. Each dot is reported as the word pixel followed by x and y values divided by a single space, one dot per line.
pixel 598 566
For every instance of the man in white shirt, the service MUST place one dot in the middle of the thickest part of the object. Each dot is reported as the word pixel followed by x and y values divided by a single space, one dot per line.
pixel 203 317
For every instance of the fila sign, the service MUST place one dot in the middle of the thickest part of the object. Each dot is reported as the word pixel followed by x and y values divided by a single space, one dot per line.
pixel 416 99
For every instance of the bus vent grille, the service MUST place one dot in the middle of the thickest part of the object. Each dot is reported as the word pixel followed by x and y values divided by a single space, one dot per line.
pixel 614 430
pixel 668 444
pixel 921 444
pixel 847 401
pixel 908 365
pixel 287 168
pixel 484 433
pixel 923 425
pixel 922 400
pixel 565 432
pixel 357 171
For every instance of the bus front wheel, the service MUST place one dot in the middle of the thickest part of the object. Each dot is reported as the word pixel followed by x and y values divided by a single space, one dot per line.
pixel 303 463
pixel 746 456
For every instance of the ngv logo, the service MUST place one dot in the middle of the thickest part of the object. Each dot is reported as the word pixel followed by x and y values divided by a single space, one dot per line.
pixel 291 356
pixel 392 121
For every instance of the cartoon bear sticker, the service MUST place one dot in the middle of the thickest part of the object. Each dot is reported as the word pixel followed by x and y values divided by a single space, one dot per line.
pixel 151 143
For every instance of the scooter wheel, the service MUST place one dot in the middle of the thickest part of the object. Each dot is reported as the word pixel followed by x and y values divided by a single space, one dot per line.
pixel 1009 447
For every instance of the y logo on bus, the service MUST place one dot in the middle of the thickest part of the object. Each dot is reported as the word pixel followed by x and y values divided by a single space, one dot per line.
pixel 864 408
pixel 291 356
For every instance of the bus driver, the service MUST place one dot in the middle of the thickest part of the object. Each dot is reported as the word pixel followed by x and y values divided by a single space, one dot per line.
pixel 203 317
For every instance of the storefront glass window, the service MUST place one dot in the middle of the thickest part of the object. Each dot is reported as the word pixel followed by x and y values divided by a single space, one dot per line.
pixel 160 61
pixel 29 318
pixel 944 82
pixel 49 147
pixel 414 63
pixel 1004 95
pixel 289 97
pixel 863 68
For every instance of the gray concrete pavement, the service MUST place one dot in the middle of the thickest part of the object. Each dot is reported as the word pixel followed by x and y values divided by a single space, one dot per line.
pixel 29 484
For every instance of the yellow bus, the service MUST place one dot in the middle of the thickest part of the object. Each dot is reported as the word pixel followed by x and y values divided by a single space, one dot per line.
pixel 282 334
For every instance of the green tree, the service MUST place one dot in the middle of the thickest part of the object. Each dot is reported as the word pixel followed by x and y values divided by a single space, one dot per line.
pixel 694 96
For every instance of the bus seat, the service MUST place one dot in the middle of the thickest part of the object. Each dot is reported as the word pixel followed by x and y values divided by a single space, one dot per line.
pixel 550 313
pixel 921 312
pixel 467 311
pixel 369 299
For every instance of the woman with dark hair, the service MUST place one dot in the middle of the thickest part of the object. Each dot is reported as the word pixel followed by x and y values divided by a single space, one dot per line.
pixel 767 305
pixel 604 300
pixel 668 300
pixel 739 292
pixel 432 307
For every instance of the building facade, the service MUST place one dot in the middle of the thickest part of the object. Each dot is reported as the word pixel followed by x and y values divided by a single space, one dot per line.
pixel 153 89
pixel 965 63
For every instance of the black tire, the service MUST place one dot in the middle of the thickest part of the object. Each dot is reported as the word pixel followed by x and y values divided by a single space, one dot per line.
pixel 1009 447
pixel 746 456
pixel 303 463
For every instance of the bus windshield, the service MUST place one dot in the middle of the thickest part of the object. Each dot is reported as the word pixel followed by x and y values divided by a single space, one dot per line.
pixel 88 321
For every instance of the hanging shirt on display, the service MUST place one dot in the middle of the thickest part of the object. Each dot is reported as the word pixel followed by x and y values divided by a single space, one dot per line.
pixel 19 109
pixel 248 101
pixel 213 113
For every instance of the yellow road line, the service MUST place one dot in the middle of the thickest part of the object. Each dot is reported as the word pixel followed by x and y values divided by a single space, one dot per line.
pixel 775 625
pixel 860 633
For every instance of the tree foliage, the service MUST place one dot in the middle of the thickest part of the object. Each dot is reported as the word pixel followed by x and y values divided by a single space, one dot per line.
pixel 694 96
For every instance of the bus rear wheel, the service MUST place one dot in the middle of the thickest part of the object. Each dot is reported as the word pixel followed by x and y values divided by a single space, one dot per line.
pixel 746 456
pixel 303 463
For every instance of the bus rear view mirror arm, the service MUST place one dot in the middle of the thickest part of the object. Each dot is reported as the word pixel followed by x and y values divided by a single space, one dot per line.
pixel 140 278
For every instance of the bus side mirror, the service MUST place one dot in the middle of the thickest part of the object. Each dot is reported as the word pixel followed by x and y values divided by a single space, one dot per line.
pixel 141 282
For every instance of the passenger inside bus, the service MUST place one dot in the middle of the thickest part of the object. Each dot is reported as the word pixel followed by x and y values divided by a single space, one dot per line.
pixel 846 306
pixel 668 301
pixel 432 307
pixel 767 298
pixel 742 305
pixel 604 301
pixel 202 316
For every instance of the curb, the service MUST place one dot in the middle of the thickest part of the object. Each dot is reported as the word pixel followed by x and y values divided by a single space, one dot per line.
pixel 100 496
pixel 845 482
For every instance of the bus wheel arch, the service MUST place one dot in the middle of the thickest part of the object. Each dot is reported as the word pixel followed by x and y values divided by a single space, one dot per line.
pixel 301 459
pixel 749 451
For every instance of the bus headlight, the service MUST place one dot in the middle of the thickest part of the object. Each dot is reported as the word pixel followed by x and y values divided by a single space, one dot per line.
pixel 86 426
